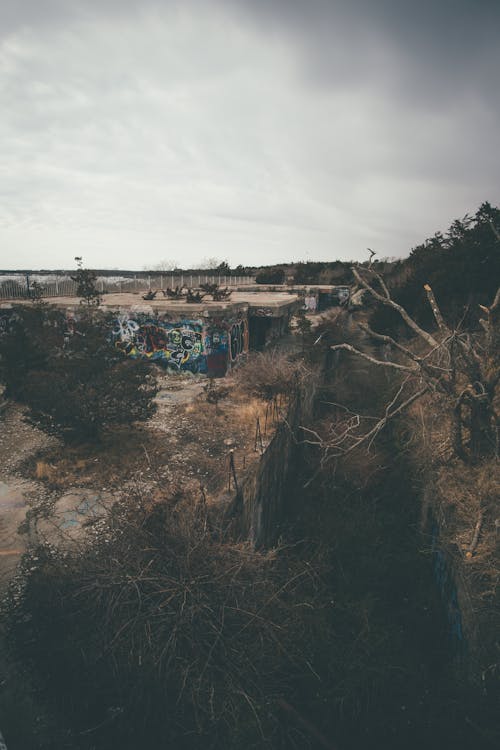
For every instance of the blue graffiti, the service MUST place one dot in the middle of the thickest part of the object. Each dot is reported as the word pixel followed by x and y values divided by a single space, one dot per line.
pixel 190 345
pixel 178 346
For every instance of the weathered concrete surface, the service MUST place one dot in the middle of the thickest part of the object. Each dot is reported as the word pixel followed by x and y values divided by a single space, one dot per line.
pixel 278 301
pixel 72 512
pixel 264 491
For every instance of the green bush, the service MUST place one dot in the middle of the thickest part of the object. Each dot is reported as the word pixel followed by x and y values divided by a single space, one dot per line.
pixel 74 382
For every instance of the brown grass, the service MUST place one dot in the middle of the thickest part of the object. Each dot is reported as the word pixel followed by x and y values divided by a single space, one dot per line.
pixel 44 471
pixel 204 628
pixel 184 446
pixel 269 374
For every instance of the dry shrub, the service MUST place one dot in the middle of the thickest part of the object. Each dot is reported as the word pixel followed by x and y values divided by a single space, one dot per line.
pixel 464 492
pixel 182 635
pixel 44 470
pixel 468 497
pixel 249 409
pixel 269 374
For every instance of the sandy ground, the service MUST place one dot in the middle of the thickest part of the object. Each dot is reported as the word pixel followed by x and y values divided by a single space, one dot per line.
pixel 183 446
pixel 20 442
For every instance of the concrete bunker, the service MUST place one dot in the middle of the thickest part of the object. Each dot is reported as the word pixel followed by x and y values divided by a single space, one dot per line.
pixel 207 337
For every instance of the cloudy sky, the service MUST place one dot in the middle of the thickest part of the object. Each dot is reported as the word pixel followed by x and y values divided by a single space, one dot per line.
pixel 256 131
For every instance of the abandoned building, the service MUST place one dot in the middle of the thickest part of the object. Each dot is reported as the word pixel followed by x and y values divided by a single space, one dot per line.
pixel 205 337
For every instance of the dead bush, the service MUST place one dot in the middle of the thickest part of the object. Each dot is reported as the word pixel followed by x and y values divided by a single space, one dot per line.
pixel 163 632
pixel 44 470
pixel 468 495
pixel 270 374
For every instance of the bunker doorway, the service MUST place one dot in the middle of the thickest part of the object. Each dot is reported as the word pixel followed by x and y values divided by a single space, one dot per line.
pixel 259 332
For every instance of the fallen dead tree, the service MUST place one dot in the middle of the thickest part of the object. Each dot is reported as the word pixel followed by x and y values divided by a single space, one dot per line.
pixel 461 367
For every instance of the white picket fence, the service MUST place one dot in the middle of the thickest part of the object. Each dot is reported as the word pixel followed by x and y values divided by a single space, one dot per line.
pixel 16 287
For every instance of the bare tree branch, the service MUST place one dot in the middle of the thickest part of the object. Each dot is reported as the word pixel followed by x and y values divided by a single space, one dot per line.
pixel 388 416
pixel 475 538
pixel 381 362
pixel 435 309
pixel 346 440
pixel 383 338
pixel 382 284
pixel 496 301
pixel 494 229
pixel 390 303
pixel 463 367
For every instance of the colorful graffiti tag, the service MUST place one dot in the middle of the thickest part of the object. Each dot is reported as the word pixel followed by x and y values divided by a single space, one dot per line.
pixel 191 345
pixel 178 346
pixel 199 346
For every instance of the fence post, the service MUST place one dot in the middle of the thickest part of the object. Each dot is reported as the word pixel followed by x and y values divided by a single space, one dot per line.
pixel 258 436
pixel 233 471
pixel 161 281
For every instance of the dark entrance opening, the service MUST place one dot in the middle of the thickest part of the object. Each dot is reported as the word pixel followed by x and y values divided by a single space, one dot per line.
pixel 258 332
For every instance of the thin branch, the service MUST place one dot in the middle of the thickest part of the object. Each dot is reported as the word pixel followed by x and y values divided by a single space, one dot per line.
pixel 494 229
pixel 435 309
pixel 388 416
pixel 496 301
pixel 336 446
pixel 382 284
pixel 475 538
pixel 389 340
pixel 380 362
pixel 307 725
pixel 402 312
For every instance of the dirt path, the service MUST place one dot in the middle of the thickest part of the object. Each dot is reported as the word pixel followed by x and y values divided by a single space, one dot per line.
pixel 183 446
pixel 18 441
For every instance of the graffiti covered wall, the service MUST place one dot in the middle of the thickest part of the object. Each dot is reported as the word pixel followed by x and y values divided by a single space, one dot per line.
pixel 210 346
pixel 197 346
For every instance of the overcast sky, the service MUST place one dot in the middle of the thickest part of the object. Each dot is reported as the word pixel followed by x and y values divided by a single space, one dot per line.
pixel 257 131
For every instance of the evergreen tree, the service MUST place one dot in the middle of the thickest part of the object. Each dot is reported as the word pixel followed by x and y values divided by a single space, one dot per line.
pixel 86 281
pixel 70 376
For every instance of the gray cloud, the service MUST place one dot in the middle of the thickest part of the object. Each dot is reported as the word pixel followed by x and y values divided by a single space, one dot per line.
pixel 257 131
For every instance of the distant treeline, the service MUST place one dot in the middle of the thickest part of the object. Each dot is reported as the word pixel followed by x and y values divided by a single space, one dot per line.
pixel 462 265
pixel 127 273
pixel 336 272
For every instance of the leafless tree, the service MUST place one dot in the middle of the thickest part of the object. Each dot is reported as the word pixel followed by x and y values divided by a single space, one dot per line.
pixel 461 367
